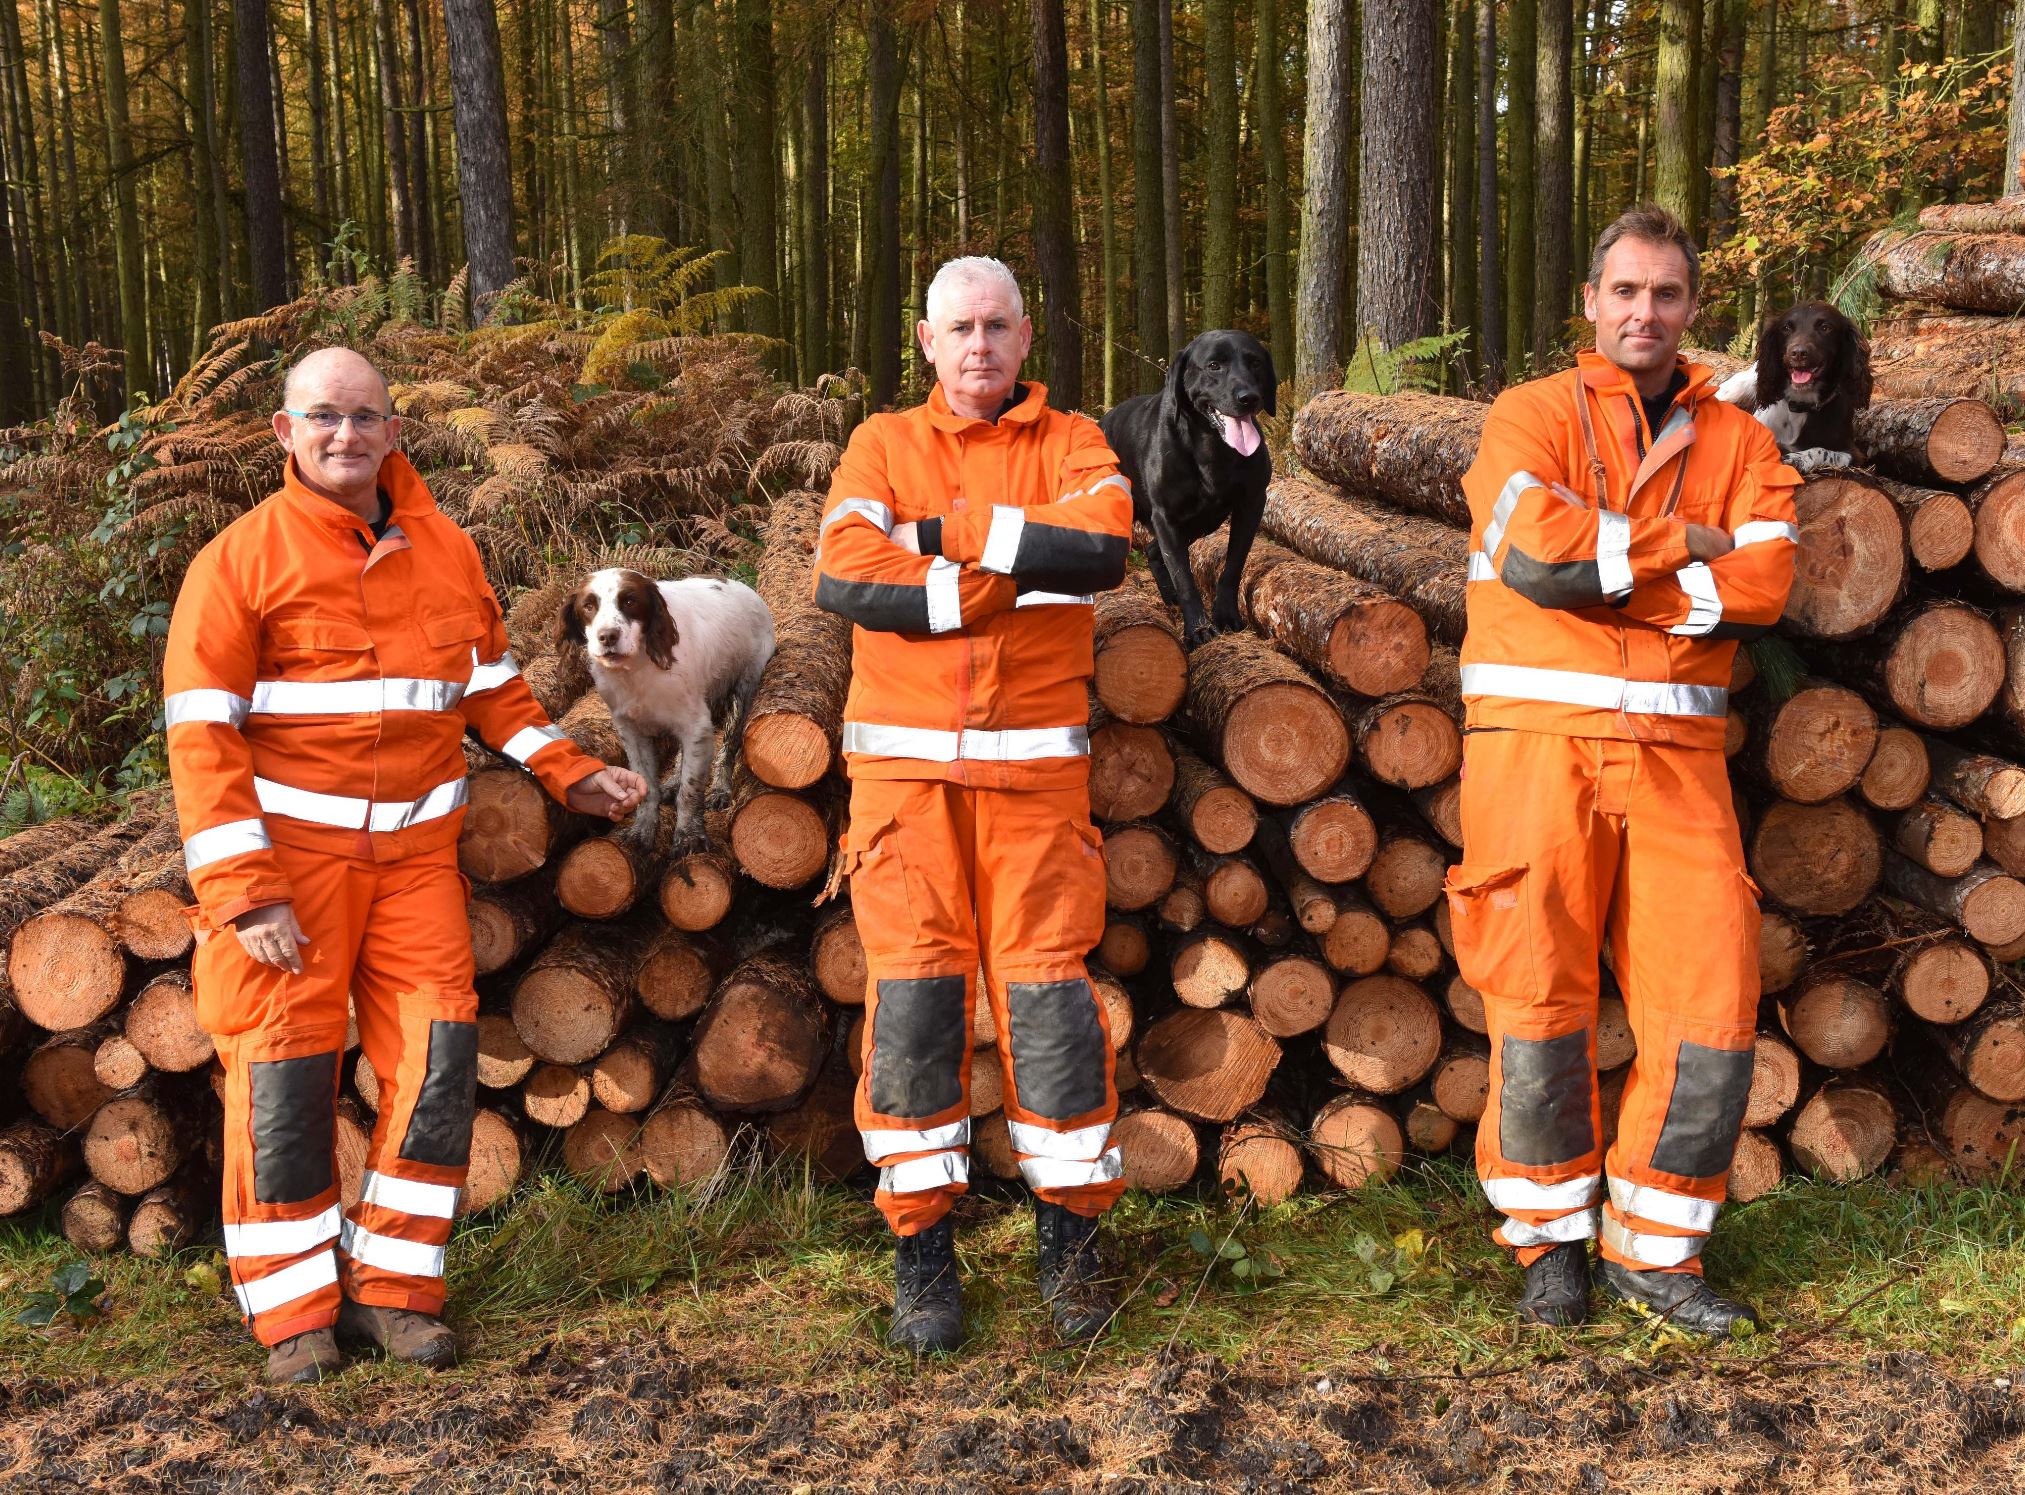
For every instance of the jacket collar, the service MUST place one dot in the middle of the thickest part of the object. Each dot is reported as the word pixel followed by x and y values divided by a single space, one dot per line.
pixel 1673 438
pixel 398 479
pixel 1026 412
pixel 1606 378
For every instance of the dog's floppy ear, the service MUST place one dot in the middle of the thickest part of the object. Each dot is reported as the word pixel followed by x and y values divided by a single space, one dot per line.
pixel 1174 393
pixel 569 627
pixel 661 635
pixel 1772 361
pixel 1857 351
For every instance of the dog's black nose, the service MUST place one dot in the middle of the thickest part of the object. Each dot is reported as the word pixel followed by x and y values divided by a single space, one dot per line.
pixel 1247 402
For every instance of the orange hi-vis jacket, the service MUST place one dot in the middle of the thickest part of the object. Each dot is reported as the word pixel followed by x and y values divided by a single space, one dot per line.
pixel 318 686
pixel 971 660
pixel 1593 621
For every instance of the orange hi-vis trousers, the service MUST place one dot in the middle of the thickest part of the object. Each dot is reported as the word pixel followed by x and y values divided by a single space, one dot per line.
pixel 1569 843
pixel 394 934
pixel 945 878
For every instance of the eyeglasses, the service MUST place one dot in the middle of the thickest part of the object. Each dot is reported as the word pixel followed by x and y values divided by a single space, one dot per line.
pixel 365 422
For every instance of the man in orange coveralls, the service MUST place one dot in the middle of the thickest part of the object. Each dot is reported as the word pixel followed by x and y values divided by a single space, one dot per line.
pixel 327 652
pixel 1626 529
pixel 964 538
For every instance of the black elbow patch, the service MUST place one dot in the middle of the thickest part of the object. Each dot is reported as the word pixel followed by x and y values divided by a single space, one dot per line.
pixel 1546 1090
pixel 1744 632
pixel 882 606
pixel 1562 584
pixel 1053 558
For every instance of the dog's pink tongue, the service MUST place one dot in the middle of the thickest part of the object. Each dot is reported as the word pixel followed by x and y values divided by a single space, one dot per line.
pixel 1243 435
pixel 1801 376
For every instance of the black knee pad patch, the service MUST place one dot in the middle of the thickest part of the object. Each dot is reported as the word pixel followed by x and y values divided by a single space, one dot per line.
pixel 1058 1047
pixel 1705 1111
pixel 439 1128
pixel 919 1039
pixel 294 1127
pixel 1544 1099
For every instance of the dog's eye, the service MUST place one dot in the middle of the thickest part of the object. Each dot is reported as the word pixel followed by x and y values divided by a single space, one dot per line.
pixel 1215 364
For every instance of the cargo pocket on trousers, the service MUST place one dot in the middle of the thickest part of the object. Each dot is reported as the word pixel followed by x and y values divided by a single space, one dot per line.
pixel 1079 913
pixel 1492 928
pixel 877 875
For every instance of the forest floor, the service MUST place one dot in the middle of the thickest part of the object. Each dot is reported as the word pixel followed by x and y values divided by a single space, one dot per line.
pixel 732 1342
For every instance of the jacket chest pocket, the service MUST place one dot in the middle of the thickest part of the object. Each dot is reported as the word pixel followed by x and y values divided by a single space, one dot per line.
pixel 453 644
pixel 300 641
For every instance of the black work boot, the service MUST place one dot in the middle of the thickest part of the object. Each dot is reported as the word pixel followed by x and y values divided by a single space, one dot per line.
pixel 927 1293
pixel 1071 1272
pixel 1557 1287
pixel 1681 1298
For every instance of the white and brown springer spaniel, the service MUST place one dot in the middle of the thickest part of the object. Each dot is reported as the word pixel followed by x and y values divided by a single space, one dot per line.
pixel 670 657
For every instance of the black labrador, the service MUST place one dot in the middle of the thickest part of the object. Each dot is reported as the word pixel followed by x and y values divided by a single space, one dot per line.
pixel 1811 378
pixel 1195 458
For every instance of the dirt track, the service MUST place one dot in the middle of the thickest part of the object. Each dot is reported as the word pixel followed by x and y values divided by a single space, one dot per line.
pixel 633 1416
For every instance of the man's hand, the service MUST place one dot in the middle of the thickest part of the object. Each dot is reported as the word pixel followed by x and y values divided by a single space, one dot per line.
pixel 271 936
pixel 610 792
pixel 908 537
pixel 1705 542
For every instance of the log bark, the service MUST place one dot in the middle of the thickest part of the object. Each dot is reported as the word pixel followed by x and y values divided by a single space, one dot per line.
pixel 59 1079
pixel 1986 902
pixel 1816 859
pixel 136 1142
pixel 1898 771
pixel 1218 816
pixel 1274 731
pixel 2004 216
pixel 578 995
pixel 1440 805
pixel 94 1219
pixel 1775 1081
pixel 1132 768
pixel 1964 271
pixel 1141 672
pixel 1354 1140
pixel 1159 1149
pixel 1314 904
pixel 1384 1034
pixel 34 1159
pixel 1140 865
pixel 1845 1131
pixel 696 891
pixel 1943 981
pixel 2004 842
pixel 1933 441
pixel 1941 838
pixel 1837 1021
pixel 1410 450
pixel 27 847
pixel 1851 568
pixel 1210 967
pixel 1259 1158
pixel 1423 562
pixel 822 1129
pixel 1993 788
pixel 173 1215
pixel 761 1040
pixel 1291 994
pixel 1211 1065
pixel 1342 627
pixel 1966 355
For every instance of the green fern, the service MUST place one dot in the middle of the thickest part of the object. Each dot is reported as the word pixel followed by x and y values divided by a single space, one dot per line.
pixel 1378 370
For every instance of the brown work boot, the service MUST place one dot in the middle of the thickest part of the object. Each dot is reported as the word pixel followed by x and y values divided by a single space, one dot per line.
pixel 399 1334
pixel 304 1358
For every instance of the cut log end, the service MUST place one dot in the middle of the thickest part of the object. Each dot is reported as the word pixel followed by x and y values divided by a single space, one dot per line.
pixel 598 879
pixel 696 891
pixel 787 750
pixel 682 1145
pixel 1355 1140
pixel 1844 1132
pixel 497 1162
pixel 1291 995
pixel 1755 1168
pixel 1209 1064
pixel 1898 771
pixel 66 971
pixel 1838 1021
pixel 134 1144
pixel 1159 1149
pixel 1258 1159
pixel 1775 1081
pixel 1384 1034
pixel 1141 673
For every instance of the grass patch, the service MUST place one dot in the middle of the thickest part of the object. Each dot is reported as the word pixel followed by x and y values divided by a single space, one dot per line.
pixel 791 1279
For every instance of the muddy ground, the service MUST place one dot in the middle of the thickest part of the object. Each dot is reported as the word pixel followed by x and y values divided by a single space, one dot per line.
pixel 635 1415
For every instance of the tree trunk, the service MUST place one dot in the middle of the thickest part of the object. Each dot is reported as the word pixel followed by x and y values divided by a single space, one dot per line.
pixel 1274 732
pixel 1141 668
pixel 779 838
pixel 1272 134
pixel 696 890
pixel 817 353
pixel 1462 175
pixel 1398 278
pixel 1939 837
pixel 1325 202
pixel 758 169
pixel 1933 440
pixel 1171 211
pixel 682 1145
pixel 1260 1159
pixel 1149 233
pixel 1054 229
pixel 1492 345
pixel 1674 95
pixel 127 217
pixel 1555 126
pixel 1815 744
pixel 95 1219
pixel 881 310
pixel 387 59
pixel 1411 450
pixel 484 167
pixel 603 877
pixel 1816 859
pixel 1775 1081
pixel 1521 175
pixel 1219 163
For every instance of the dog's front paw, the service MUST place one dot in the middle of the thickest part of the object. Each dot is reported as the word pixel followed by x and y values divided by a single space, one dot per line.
pixel 719 799
pixel 688 841
pixel 1226 617
pixel 1201 634
pixel 1811 459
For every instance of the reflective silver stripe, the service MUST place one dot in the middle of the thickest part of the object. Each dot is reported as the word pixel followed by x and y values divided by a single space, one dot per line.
pixel 945 601
pixel 353 697
pixel 1510 1194
pixel 880 1145
pixel 1760 530
pixel 1579 1226
pixel 1481 568
pixel 920 1175
pixel 1501 511
pixel 1116 480
pixel 282 1237
pixel 1052 599
pixel 220 706
pixel 1016 745
pixel 1061 1173
pixel 358 814
pixel 870 510
pixel 487 676
pixel 231 839
pixel 528 741
pixel 1662 1207
pixel 1613 552
pixel 264 1294
pixel 1002 540
pixel 1705 603
pixel 390 1253
pixel 437 1201
pixel 1651 1250
pixel 1084 1143
pixel 1602 692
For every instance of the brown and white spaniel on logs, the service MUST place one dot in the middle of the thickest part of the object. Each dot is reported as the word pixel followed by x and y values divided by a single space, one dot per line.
pixel 671 657
pixel 1811 378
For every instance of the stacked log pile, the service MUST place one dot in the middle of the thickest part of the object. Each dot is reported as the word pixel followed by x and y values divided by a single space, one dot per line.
pixel 1953 289
pixel 1875 762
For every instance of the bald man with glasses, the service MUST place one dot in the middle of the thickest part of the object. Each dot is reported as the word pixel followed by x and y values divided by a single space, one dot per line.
pixel 327 653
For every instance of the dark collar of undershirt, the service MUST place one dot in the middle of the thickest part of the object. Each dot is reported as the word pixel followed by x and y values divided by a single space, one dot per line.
pixel 1657 406
pixel 1019 393
pixel 379 525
